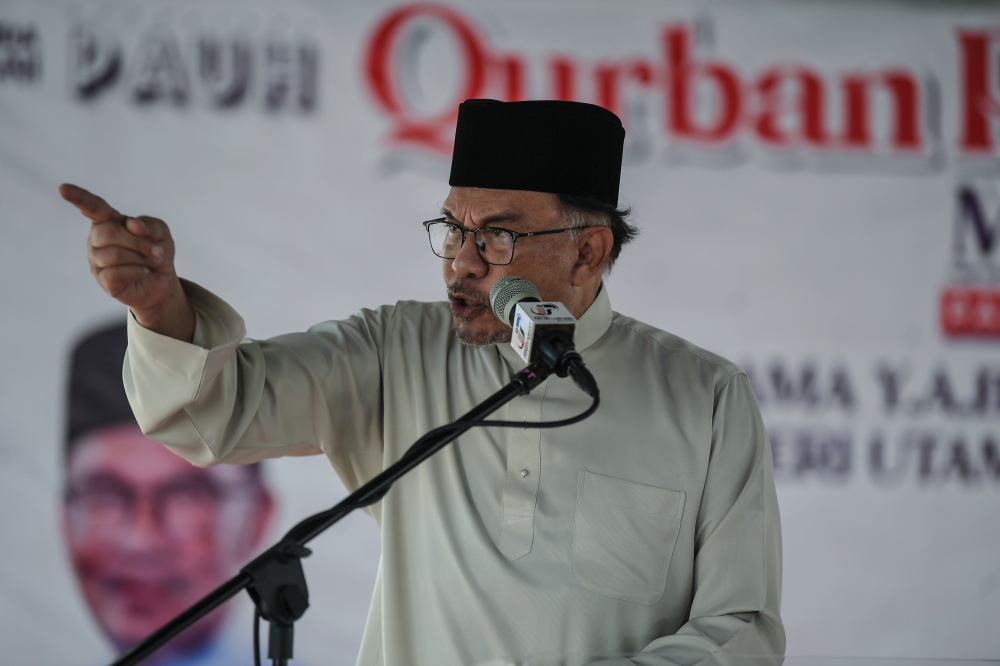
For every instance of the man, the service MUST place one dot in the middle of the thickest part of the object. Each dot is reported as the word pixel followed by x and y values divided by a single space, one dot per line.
pixel 148 533
pixel 652 526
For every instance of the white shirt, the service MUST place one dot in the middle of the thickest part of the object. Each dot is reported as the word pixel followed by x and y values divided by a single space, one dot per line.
pixel 651 526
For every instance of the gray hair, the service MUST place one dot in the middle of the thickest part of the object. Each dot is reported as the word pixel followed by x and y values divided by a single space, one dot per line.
pixel 580 212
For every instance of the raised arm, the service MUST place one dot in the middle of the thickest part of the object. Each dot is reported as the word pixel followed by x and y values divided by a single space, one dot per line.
pixel 197 385
pixel 132 259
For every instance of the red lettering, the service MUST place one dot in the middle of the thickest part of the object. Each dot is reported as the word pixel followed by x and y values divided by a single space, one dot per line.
pixel 768 123
pixel 511 72
pixel 563 78
pixel 905 95
pixel 809 108
pixel 684 74
pixel 606 87
pixel 813 107
pixel 904 91
pixel 970 311
pixel 610 79
pixel 705 100
pixel 978 103
pixel 856 130
pixel 380 69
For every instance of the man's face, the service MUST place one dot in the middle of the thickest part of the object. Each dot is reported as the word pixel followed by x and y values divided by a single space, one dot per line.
pixel 149 534
pixel 545 261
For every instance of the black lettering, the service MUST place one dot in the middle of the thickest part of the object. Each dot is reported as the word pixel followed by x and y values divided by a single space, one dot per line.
pixel 807 386
pixel 278 82
pixel 835 455
pixel 20 53
pixel 785 389
pixel 224 71
pixel 889 380
pixel 987 392
pixel 991 457
pixel 882 471
pixel 308 77
pixel 982 392
pixel 290 76
pixel 841 391
pixel 959 462
pixel 925 443
pixel 97 63
pixel 970 214
pixel 161 74
pixel 813 453
pixel 939 395
pixel 941 392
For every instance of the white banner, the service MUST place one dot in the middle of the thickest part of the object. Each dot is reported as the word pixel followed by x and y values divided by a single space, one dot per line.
pixel 818 188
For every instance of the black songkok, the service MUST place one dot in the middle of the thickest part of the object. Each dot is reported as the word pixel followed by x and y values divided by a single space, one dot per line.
pixel 96 393
pixel 567 148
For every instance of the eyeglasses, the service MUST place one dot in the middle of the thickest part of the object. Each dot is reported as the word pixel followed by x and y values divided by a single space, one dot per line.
pixel 495 245
pixel 106 506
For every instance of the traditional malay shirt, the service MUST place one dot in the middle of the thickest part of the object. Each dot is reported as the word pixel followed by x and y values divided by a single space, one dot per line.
pixel 651 526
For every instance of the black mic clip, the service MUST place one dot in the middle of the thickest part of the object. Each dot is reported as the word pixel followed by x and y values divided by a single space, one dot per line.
pixel 557 352
pixel 542 335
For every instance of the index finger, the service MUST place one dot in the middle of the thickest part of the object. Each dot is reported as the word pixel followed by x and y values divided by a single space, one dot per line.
pixel 92 206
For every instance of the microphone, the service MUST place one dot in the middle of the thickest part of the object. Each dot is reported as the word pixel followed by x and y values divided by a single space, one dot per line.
pixel 542 331
pixel 509 299
pixel 507 292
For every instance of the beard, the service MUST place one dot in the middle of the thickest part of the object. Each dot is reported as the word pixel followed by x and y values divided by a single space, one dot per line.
pixel 479 339
pixel 490 332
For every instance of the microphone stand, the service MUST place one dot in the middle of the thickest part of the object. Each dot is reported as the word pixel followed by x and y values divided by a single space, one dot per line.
pixel 275 580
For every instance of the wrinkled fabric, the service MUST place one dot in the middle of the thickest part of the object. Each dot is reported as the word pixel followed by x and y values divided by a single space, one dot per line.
pixel 652 526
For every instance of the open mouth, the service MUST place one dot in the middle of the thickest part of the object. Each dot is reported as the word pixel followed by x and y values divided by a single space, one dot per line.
pixel 464 306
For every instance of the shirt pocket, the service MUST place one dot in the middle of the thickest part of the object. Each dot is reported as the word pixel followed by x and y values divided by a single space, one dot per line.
pixel 624 536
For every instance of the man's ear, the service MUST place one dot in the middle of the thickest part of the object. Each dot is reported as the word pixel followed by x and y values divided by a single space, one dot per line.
pixel 594 249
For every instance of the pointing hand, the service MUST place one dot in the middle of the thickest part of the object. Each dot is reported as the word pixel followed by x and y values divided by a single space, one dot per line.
pixel 132 259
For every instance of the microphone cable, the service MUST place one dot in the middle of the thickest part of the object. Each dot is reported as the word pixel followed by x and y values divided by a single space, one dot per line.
pixel 448 428
pixel 417 448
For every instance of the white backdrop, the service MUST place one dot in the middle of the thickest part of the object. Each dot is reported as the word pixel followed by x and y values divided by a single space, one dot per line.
pixel 817 187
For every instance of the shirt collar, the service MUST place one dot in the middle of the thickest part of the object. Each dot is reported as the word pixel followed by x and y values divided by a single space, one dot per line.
pixel 589 328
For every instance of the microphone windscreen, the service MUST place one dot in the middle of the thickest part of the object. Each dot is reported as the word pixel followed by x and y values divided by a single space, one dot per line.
pixel 507 292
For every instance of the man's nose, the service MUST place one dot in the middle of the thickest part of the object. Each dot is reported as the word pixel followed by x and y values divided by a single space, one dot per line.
pixel 147 526
pixel 467 263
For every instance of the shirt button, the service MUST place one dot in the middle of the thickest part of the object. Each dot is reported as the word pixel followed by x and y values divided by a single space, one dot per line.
pixel 524 473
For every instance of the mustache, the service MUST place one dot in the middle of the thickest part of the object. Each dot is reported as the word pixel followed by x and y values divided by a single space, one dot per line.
pixel 461 289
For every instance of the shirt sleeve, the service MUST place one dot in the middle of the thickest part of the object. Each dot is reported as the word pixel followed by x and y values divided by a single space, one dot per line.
pixel 226 398
pixel 737 587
